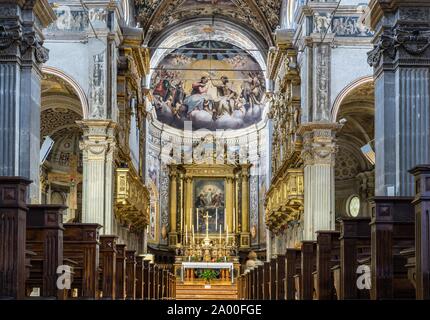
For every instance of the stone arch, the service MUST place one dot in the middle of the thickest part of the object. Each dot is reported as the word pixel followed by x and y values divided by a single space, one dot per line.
pixel 73 83
pixel 344 93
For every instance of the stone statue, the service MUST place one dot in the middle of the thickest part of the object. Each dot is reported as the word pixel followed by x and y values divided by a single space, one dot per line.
pixel 252 261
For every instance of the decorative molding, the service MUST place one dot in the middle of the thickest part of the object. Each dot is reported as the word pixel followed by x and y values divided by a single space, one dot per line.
pixel 322 99
pixel 319 143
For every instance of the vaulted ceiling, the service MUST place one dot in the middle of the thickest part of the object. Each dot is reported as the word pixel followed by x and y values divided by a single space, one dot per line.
pixel 261 16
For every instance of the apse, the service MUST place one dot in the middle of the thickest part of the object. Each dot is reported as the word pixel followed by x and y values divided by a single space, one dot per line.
pixel 212 84
pixel 208 75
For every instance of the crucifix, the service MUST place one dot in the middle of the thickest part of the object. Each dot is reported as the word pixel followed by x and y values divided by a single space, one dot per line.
pixel 207 216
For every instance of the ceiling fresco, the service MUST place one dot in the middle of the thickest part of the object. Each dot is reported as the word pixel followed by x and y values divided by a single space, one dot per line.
pixel 214 84
pixel 261 16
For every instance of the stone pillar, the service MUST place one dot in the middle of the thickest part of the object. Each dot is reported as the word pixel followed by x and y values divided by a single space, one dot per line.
pixel 401 62
pixel 21 55
pixel 173 237
pixel 98 147
pixel 318 152
pixel 244 234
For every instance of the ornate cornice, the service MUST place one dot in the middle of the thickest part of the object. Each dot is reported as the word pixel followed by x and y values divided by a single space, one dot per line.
pixel 18 36
pixel 44 13
pixel 413 41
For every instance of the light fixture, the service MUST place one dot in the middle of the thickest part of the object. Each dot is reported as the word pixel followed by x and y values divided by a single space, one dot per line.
pixel 369 153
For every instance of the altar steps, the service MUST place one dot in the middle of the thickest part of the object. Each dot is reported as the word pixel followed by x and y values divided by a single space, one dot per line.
pixel 189 291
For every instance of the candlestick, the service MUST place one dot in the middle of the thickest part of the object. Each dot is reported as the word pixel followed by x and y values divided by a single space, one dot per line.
pixel 220 234
pixel 186 234
pixel 216 219
pixel 197 218
pixel 234 222
pixel 182 220
pixel 225 218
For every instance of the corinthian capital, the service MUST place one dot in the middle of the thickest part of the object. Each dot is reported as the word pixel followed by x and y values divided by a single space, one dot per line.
pixel 319 143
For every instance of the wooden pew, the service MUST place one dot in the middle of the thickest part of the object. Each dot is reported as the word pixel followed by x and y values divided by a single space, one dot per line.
pixel 254 283
pixel 292 267
pixel 108 264
pixel 308 261
pixel 139 277
pixel 44 237
pixel 130 275
pixel 280 276
pixel 146 279
pixel 392 230
pixel 327 257
pixel 151 284
pixel 13 215
pixel 260 284
pixel 239 287
pixel 248 285
pixel 120 271
pixel 272 279
pixel 354 245
pixel 266 280
pixel 155 275
pixel 421 260
pixel 81 244
pixel 165 282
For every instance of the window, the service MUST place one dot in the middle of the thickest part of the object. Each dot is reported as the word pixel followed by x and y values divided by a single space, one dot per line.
pixel 353 206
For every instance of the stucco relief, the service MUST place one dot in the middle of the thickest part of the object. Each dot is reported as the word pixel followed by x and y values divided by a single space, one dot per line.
pixel 97 81
pixel 321 111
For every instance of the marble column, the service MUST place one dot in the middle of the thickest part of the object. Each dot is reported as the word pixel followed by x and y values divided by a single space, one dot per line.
pixel 319 148
pixel 401 62
pixel 98 147
pixel 21 56
pixel 188 204
pixel 244 234
pixel 229 199
pixel 173 237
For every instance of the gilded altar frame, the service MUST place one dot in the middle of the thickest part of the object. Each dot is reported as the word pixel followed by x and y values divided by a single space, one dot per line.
pixel 236 179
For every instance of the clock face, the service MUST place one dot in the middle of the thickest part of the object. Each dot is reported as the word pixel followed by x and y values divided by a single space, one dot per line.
pixel 354 206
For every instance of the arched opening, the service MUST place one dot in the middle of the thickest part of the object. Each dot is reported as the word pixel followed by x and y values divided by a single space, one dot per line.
pixel 61 171
pixel 354 169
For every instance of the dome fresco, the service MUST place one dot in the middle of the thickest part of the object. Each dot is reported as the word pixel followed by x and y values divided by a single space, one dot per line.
pixel 213 84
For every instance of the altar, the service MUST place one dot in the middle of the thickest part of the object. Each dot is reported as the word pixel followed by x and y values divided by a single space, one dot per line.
pixel 208 265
